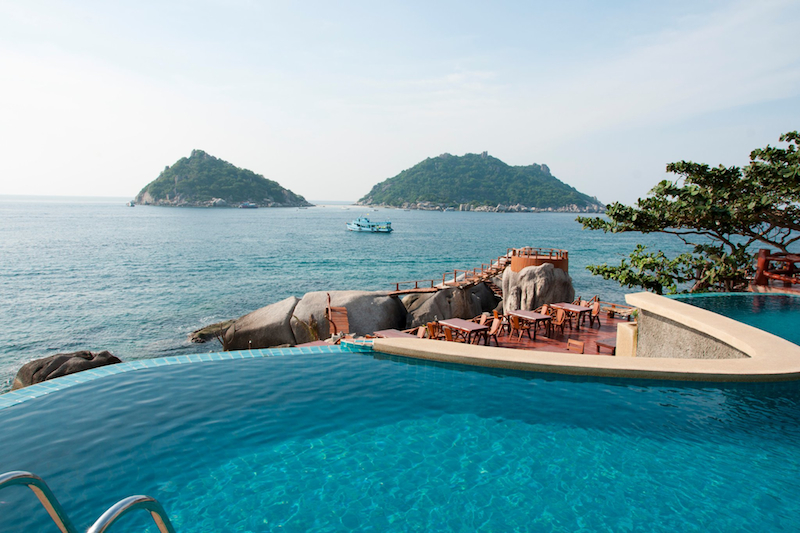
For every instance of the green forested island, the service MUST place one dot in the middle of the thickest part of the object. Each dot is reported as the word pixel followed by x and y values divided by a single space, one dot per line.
pixel 478 182
pixel 204 180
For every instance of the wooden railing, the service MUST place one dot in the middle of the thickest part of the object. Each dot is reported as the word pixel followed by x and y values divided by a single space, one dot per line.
pixel 788 273
pixel 550 253
pixel 486 270
pixel 427 284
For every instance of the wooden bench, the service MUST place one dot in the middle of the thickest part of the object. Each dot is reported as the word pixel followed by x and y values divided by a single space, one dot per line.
pixel 609 343
pixel 623 311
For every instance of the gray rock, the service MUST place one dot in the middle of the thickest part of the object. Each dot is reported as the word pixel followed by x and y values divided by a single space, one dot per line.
pixel 449 303
pixel 59 365
pixel 534 286
pixel 209 332
pixel 263 328
pixel 366 312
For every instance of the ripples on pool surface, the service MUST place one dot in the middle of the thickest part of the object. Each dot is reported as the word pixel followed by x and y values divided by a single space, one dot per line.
pixel 343 442
pixel 778 314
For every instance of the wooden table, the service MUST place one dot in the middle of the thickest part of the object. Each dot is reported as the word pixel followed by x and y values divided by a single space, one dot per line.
pixel 467 327
pixel 573 309
pixel 532 316
pixel 610 343
pixel 393 334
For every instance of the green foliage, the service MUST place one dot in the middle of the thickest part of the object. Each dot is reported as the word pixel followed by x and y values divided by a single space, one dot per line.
pixel 202 177
pixel 477 180
pixel 720 212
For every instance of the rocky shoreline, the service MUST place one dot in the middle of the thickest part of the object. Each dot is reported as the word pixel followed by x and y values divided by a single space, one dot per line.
pixel 499 208
pixel 295 320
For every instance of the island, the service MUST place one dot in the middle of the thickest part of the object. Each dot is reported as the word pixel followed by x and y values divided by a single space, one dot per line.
pixel 479 182
pixel 202 180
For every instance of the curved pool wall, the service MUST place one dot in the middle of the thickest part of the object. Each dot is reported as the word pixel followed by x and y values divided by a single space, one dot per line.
pixel 327 440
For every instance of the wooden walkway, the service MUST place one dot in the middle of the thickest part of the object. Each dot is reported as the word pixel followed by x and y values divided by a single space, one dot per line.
pixel 457 278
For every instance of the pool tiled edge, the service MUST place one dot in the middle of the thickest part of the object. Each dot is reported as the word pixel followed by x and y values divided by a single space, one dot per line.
pixel 40 389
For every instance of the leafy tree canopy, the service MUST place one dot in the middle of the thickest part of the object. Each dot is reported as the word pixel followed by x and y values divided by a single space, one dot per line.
pixel 477 179
pixel 718 211
pixel 200 178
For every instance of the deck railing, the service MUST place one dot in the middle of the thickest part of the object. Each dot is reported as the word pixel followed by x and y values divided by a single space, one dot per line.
pixel 787 273
pixel 550 253
pixel 459 276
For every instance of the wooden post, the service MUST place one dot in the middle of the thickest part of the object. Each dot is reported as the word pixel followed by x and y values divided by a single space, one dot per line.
pixel 762 264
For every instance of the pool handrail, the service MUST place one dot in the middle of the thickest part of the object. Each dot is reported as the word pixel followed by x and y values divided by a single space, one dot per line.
pixel 114 513
pixel 132 503
pixel 43 492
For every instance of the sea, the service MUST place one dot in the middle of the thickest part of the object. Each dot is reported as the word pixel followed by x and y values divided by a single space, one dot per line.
pixel 94 274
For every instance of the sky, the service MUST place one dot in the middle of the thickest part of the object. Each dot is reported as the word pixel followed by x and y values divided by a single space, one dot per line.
pixel 330 98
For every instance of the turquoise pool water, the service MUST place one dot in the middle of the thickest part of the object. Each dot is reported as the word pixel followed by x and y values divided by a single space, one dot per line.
pixel 778 314
pixel 365 442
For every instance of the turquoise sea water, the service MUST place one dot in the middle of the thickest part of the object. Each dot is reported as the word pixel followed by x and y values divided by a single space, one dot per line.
pixel 362 442
pixel 95 274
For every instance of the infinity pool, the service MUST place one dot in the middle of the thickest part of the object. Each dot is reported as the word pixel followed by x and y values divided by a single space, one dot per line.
pixel 778 314
pixel 363 442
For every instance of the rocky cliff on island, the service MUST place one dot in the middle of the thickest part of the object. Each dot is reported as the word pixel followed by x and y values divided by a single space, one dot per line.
pixel 479 182
pixel 202 180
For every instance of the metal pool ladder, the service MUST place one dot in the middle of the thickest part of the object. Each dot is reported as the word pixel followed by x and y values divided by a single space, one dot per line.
pixel 114 513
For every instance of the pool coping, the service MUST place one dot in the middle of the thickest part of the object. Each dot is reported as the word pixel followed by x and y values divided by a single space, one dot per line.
pixel 769 357
pixel 30 392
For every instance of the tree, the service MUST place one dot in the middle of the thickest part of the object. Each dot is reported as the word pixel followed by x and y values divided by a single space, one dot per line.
pixel 718 211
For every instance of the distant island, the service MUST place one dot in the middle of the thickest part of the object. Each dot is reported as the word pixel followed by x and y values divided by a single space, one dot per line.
pixel 479 182
pixel 202 180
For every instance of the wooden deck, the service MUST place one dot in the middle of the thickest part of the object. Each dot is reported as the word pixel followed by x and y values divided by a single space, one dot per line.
pixel 607 332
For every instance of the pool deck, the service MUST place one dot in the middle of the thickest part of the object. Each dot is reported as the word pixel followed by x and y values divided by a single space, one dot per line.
pixel 768 357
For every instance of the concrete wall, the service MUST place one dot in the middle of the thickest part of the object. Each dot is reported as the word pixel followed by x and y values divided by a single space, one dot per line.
pixel 662 337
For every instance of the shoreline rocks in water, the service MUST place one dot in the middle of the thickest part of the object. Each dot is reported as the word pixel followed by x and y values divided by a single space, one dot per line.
pixel 299 320
pixel 209 332
pixel 61 364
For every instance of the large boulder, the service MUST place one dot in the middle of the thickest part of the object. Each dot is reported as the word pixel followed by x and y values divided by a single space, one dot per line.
pixel 453 302
pixel 534 286
pixel 366 312
pixel 263 328
pixel 59 365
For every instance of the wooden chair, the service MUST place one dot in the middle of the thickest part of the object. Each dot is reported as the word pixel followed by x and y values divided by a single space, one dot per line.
pixel 497 327
pixel 434 331
pixel 448 336
pixel 595 315
pixel 517 325
pixel 575 346
pixel 337 318
pixel 560 321
pixel 503 321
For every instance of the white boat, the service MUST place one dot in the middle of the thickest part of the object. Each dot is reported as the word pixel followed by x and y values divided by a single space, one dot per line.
pixel 365 224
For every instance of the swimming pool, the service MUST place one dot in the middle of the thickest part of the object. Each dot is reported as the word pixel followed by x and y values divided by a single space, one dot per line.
pixel 364 442
pixel 778 314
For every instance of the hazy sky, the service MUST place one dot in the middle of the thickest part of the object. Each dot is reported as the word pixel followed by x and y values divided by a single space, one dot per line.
pixel 330 98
